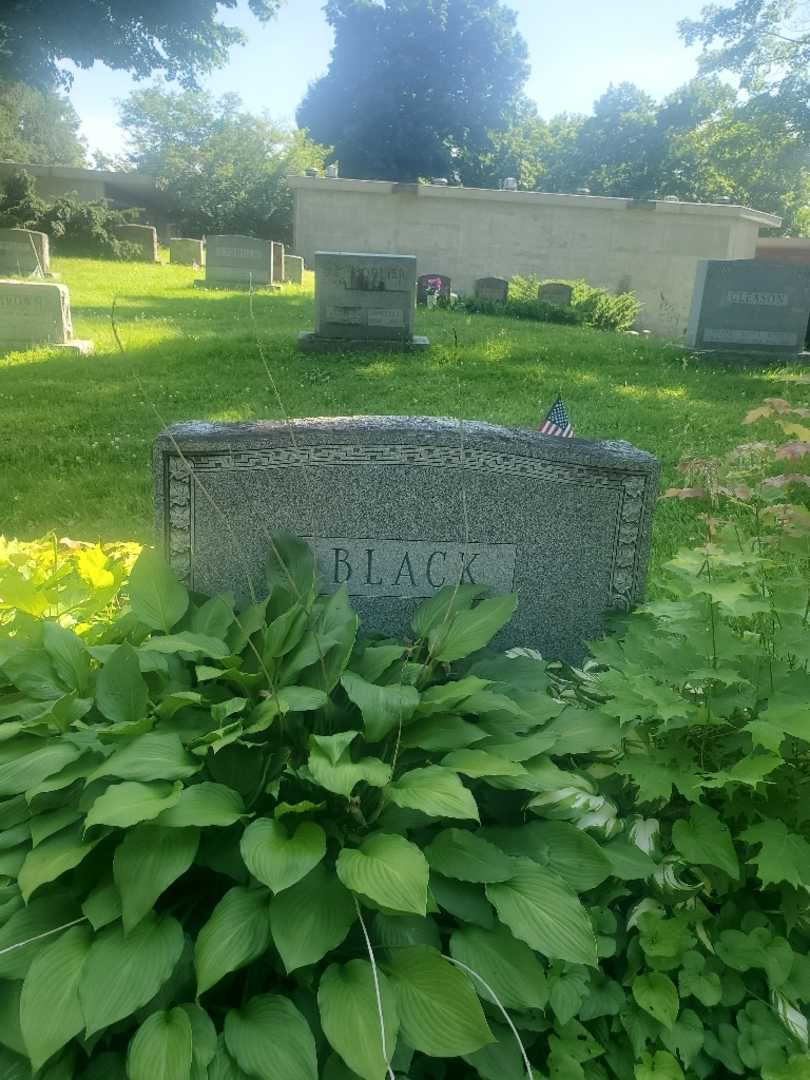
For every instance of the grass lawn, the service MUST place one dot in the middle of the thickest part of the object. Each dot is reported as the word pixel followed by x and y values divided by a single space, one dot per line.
pixel 76 431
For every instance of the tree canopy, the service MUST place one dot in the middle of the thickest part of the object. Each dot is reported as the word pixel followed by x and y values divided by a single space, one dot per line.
pixel 222 168
pixel 415 85
pixel 38 127
pixel 181 39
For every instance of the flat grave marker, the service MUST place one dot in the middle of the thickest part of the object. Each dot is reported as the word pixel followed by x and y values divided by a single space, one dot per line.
pixel 749 305
pixel 363 300
pixel 35 313
pixel 383 501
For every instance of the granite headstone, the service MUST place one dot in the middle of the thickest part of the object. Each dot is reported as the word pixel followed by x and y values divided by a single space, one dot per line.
pixel 236 262
pixel 437 285
pixel 555 292
pixel 492 288
pixel 384 501
pixel 749 305
pixel 34 313
pixel 278 261
pixel 363 300
pixel 144 237
pixel 186 251
pixel 294 269
pixel 24 252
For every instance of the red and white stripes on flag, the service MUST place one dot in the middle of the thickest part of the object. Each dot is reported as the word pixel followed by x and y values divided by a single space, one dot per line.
pixel 557 421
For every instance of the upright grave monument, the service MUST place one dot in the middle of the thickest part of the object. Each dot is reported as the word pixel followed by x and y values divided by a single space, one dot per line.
pixel 238 262
pixel 555 292
pixel 437 285
pixel 278 261
pixel 24 252
pixel 397 507
pixel 144 237
pixel 34 313
pixel 186 251
pixel 492 288
pixel 749 305
pixel 363 300
pixel 294 269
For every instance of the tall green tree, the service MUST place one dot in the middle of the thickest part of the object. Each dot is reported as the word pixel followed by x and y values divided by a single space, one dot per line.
pixel 222 168
pixel 414 86
pixel 38 127
pixel 181 38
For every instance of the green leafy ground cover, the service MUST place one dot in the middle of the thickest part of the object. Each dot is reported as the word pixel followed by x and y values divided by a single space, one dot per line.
pixel 76 432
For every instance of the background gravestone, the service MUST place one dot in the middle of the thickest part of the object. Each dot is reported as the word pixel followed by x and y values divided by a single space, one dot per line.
pixel 233 261
pixel 438 283
pixel 37 313
pixel 750 305
pixel 25 252
pixel 144 236
pixel 555 292
pixel 381 499
pixel 278 261
pixel 492 288
pixel 294 269
pixel 186 251
pixel 363 300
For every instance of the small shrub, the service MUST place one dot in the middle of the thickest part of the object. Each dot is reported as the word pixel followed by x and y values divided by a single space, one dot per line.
pixel 590 305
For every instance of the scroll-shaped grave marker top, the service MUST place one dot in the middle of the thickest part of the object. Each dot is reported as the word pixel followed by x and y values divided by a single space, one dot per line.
pixel 492 288
pixel 363 300
pixel 565 523
pixel 749 305
pixel 238 262
pixel 34 313
pixel 24 252
pixel 555 292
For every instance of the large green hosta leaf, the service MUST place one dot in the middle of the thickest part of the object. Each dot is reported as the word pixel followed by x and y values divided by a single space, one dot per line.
pixel 146 862
pixel 156 596
pixel 269 1039
pixel 347 1002
pixel 277 859
pixel 434 791
pixel 439 1011
pixel 384 708
pixel 461 854
pixel 311 918
pixel 122 973
pixel 509 966
pixel 161 1047
pixel 237 933
pixel 50 1014
pixel 540 909
pixel 54 857
pixel 389 870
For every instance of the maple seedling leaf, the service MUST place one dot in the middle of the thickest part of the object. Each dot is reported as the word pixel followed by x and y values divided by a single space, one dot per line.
pixel 783 856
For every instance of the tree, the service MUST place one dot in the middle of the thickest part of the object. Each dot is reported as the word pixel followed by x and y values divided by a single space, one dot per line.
pixel 222 168
pixel 38 127
pixel 414 86
pixel 766 43
pixel 182 39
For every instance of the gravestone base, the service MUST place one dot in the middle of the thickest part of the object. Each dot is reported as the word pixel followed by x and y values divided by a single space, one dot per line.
pixel 308 341
pixel 79 347
pixel 235 286
pixel 730 358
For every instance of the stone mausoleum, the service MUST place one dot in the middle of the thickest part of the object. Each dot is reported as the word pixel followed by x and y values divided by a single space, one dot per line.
pixel 651 247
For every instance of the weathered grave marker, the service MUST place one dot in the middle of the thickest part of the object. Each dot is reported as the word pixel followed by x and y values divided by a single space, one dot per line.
pixel 238 262
pixel 294 269
pixel 144 236
pixel 492 288
pixel 363 300
pixel 34 313
pixel 24 252
pixel 186 251
pixel 749 305
pixel 384 500
pixel 278 261
pixel 437 285
pixel 555 292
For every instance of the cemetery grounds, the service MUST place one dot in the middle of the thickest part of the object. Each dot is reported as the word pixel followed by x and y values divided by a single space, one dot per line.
pixel 77 432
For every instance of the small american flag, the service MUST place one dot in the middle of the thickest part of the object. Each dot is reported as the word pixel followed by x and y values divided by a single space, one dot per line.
pixel 557 421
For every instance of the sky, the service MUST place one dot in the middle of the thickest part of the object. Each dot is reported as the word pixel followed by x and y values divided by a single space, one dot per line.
pixel 576 50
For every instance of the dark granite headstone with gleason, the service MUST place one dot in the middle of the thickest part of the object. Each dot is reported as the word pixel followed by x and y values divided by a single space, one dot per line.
pixel 555 292
pixel 437 285
pixel 144 237
pixel 363 300
pixel 24 252
pixel 749 305
pixel 238 262
pixel 492 288
pixel 564 523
